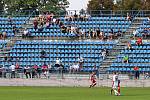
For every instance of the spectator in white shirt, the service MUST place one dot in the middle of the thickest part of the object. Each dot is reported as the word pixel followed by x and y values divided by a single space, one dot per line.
pixel 57 64
pixel 12 68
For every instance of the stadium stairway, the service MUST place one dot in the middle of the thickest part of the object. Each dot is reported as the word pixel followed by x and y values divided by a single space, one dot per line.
pixel 5 52
pixel 122 43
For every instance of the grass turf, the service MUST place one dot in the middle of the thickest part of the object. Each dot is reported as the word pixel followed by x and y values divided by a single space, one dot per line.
pixel 68 93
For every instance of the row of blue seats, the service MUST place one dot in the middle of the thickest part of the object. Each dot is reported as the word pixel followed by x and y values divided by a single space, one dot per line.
pixel 134 56
pixel 124 69
pixel 98 22
pixel 136 51
pixel 14 18
pixel 67 42
pixel 135 60
pixel 130 64
pixel 102 18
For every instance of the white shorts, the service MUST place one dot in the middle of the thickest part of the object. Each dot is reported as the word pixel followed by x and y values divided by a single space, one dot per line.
pixel 115 85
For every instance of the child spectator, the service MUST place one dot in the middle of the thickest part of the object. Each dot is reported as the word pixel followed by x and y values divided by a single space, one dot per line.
pixel 126 59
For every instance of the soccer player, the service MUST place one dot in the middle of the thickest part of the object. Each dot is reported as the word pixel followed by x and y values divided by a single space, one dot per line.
pixel 115 85
pixel 93 79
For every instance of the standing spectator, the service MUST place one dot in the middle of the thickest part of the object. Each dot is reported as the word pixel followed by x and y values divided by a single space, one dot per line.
pixel 126 59
pixel 45 70
pixel 34 71
pixel 27 72
pixel 137 73
pixel 139 41
pixel 95 69
pixel 81 61
pixel 57 64
pixel 12 68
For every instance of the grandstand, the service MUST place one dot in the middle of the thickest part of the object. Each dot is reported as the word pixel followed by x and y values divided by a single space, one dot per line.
pixel 69 46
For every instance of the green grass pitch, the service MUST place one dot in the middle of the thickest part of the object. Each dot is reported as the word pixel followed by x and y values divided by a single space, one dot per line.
pixel 71 93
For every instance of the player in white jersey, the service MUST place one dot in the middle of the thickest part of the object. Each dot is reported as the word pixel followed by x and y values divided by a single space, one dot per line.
pixel 115 84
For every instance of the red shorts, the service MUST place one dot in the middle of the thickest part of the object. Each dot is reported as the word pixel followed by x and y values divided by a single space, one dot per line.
pixel 93 81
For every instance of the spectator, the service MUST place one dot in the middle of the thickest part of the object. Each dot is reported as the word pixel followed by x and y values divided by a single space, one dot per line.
pixel 4 34
pixel 95 69
pixel 34 71
pixel 12 68
pixel 43 53
pixel 10 21
pixel 57 64
pixel 139 41
pixel 40 29
pixel 135 32
pixel 45 70
pixel 81 61
pixel 129 46
pixel 14 28
pixel 126 59
pixel 145 33
pixel 119 32
pixel 103 53
pixel 129 18
pixel 1 35
pixel 137 73
pixel 27 72
pixel 147 75
pixel 25 33
pixel 111 34
pixel 39 71
pixel 35 24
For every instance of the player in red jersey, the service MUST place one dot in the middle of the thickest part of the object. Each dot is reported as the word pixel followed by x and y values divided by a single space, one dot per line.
pixel 93 79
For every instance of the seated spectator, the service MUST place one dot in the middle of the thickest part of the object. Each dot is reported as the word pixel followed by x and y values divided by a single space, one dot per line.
pixel 135 32
pixel 35 24
pixel 63 29
pixel 10 21
pixel 103 53
pixel 129 18
pixel 1 35
pixel 145 33
pixel 40 28
pixel 43 53
pixel 119 33
pixel 126 59
pixel 139 41
pixel 4 34
pixel 111 34
pixel 25 33
pixel 15 30
pixel 129 46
